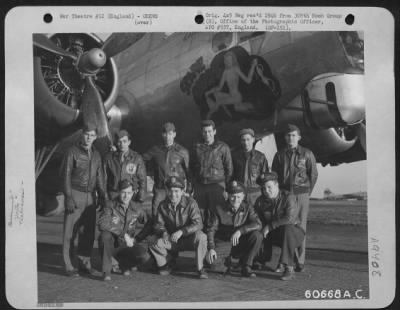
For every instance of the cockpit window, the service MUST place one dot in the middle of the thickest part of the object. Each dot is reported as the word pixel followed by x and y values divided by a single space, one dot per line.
pixel 244 36
pixel 221 41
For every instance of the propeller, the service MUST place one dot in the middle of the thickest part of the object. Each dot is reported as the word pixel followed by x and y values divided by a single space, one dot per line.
pixel 92 108
pixel 43 42
pixel 88 64
pixel 93 112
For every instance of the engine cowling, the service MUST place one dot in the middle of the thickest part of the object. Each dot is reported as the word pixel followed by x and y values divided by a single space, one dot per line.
pixel 331 115
pixel 334 99
pixel 59 86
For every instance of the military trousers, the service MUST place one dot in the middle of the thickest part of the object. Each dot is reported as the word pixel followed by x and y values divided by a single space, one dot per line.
pixel 164 249
pixel 248 247
pixel 207 197
pixel 81 223
pixel 303 201
pixel 159 194
pixel 288 238
pixel 110 247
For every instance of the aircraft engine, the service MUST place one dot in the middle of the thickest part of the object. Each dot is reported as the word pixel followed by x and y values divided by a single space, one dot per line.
pixel 331 110
pixel 333 99
pixel 76 83
pixel 60 83
pixel 337 101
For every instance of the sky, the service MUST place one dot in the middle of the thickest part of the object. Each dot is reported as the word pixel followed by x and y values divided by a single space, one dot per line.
pixel 341 179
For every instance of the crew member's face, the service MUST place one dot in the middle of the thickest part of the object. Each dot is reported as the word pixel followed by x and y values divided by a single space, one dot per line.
pixel 123 144
pixel 247 142
pixel 88 137
pixel 292 139
pixel 271 189
pixel 125 195
pixel 236 199
pixel 208 134
pixel 175 195
pixel 169 137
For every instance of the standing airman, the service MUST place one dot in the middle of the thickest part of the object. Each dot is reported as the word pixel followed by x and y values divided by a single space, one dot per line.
pixel 297 173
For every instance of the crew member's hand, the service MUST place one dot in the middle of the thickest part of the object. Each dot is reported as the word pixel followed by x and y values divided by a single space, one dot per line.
pixel 176 235
pixel 129 241
pixel 225 194
pixel 235 238
pixel 254 62
pixel 70 205
pixel 165 236
pixel 113 148
pixel 115 220
pixel 211 256
pixel 265 231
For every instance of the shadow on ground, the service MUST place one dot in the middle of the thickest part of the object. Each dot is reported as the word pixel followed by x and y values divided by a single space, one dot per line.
pixel 50 260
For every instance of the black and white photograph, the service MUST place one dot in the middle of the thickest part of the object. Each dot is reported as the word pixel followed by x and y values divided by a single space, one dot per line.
pixel 188 168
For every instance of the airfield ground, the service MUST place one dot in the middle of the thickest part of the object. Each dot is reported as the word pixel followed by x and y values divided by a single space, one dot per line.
pixel 337 259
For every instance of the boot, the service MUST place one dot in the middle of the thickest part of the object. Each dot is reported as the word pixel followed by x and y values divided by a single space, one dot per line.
pixel 280 268
pixel 288 274
pixel 247 272
pixel 228 265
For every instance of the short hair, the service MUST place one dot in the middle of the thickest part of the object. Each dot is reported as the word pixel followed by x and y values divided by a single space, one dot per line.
pixel 167 127
pixel 89 127
pixel 207 123
pixel 122 133
pixel 292 127
pixel 266 177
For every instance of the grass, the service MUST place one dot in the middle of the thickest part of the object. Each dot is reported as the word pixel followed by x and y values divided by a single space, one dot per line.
pixel 353 212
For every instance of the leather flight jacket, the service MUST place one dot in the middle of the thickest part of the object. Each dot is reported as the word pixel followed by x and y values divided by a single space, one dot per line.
pixel 257 164
pixel 83 171
pixel 282 210
pixel 186 217
pixel 211 163
pixel 223 221
pixel 132 169
pixel 168 161
pixel 125 221
pixel 304 174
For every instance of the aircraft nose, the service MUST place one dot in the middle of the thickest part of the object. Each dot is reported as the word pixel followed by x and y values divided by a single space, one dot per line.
pixel 92 60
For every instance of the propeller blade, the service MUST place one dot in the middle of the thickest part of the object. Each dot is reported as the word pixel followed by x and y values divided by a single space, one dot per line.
pixel 43 42
pixel 117 42
pixel 362 135
pixel 93 111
